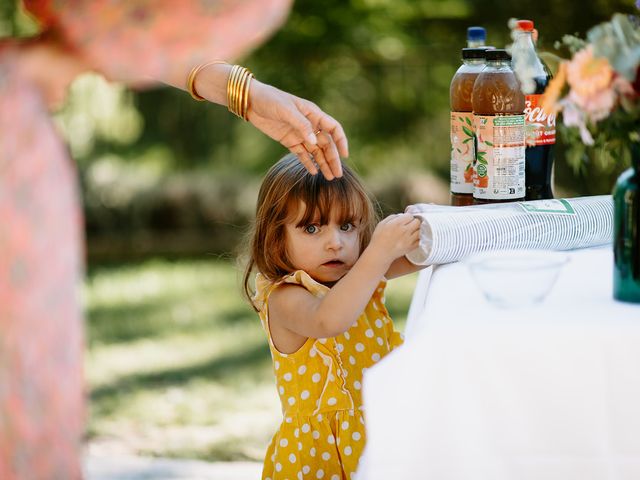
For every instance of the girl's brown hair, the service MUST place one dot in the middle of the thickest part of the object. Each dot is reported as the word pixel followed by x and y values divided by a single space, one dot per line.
pixel 287 186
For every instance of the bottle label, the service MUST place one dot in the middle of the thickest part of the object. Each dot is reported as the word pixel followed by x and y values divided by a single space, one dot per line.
pixel 462 152
pixel 500 163
pixel 551 206
pixel 540 125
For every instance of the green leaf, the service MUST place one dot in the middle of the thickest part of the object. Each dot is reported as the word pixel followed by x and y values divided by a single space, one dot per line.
pixel 468 121
pixel 467 131
pixel 488 143
pixel 467 140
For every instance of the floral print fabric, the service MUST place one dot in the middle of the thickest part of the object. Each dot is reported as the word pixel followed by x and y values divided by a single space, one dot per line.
pixel 41 336
pixel 147 41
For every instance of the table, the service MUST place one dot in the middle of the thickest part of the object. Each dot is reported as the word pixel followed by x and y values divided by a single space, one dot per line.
pixel 538 393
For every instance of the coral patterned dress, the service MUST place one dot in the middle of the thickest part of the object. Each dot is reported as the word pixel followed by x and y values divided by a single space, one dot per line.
pixel 322 434
pixel 42 405
pixel 142 42
pixel 41 336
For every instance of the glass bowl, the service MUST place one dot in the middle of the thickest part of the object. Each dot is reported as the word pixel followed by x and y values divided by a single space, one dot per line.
pixel 516 278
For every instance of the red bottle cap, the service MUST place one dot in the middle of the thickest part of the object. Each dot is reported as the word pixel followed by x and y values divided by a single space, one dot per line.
pixel 525 25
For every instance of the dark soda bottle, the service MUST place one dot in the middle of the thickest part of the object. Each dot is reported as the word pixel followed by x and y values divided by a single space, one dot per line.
pixel 540 125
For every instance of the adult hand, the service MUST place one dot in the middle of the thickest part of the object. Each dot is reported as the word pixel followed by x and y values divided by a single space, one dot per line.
pixel 301 126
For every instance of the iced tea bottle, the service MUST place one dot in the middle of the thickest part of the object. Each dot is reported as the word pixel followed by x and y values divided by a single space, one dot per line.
pixel 540 126
pixel 462 126
pixel 498 109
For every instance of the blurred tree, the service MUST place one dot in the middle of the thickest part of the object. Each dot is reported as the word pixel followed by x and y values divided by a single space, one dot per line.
pixel 381 67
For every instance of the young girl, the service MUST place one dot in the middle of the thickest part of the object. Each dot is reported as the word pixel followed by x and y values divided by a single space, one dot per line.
pixel 320 296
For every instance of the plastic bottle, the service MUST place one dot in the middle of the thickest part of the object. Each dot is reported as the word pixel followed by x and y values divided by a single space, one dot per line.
pixel 498 109
pixel 462 126
pixel 540 125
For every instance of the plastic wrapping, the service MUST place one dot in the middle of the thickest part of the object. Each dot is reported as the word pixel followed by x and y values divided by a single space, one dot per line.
pixel 449 234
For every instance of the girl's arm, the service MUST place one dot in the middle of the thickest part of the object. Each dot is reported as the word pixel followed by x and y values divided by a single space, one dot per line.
pixel 401 266
pixel 297 310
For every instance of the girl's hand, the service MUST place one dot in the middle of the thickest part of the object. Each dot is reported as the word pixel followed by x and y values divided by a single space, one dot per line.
pixel 299 125
pixel 396 236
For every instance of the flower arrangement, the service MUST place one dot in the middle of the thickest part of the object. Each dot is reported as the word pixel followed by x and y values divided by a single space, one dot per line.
pixel 597 93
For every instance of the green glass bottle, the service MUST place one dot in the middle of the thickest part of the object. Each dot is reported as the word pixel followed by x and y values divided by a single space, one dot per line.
pixel 626 235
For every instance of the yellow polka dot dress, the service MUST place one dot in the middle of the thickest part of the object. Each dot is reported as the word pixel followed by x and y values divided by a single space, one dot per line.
pixel 322 434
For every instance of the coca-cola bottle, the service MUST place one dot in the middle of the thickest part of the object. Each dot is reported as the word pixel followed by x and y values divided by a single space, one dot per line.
pixel 540 125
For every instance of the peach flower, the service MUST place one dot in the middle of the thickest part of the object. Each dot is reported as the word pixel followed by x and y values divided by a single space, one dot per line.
pixel 596 106
pixel 588 75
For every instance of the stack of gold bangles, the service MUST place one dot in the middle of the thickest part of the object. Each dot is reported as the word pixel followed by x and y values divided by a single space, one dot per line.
pixel 237 88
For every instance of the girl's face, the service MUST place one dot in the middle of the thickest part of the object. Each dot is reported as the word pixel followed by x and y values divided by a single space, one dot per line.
pixel 325 252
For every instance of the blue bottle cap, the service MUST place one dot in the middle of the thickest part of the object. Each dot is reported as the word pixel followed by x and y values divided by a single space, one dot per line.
pixel 476 33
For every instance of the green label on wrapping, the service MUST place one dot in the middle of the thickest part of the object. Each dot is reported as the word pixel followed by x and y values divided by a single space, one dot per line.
pixel 558 207
pixel 508 121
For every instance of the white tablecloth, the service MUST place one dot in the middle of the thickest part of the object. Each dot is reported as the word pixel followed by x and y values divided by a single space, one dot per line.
pixel 540 393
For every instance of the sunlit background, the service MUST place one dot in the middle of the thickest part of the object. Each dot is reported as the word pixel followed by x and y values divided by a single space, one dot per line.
pixel 176 363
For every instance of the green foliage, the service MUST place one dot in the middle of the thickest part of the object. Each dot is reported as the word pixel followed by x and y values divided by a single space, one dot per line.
pixel 381 67
pixel 14 22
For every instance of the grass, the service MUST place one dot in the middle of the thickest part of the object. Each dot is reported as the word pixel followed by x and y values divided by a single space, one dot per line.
pixel 178 364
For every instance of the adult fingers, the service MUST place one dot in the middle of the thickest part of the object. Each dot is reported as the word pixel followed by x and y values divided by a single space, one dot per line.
pixel 321 161
pixel 326 123
pixel 302 125
pixel 323 149
pixel 304 158
pixel 330 152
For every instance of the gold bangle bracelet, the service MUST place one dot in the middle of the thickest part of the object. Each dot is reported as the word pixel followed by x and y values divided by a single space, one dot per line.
pixel 236 70
pixel 191 79
pixel 235 90
pixel 241 93
pixel 238 85
pixel 238 91
pixel 245 106
pixel 229 83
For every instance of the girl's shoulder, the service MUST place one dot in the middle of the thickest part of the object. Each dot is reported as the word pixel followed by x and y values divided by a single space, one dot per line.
pixel 265 286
